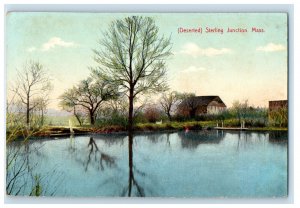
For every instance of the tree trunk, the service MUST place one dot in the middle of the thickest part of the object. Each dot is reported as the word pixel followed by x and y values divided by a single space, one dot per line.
pixel 42 117
pixel 169 116
pixel 27 116
pixel 77 117
pixel 193 113
pixel 27 112
pixel 92 118
pixel 130 114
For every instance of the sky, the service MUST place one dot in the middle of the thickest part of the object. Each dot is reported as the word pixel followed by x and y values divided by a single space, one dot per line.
pixel 233 65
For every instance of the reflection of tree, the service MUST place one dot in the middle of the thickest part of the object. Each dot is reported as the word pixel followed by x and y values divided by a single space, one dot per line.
pixel 278 136
pixel 132 182
pixel 243 139
pixel 248 140
pixel 154 137
pixel 100 157
pixel 16 172
pixel 192 139
pixel 118 138
pixel 22 176
pixel 159 137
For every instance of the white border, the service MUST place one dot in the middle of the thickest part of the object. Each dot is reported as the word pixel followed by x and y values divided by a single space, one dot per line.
pixel 163 8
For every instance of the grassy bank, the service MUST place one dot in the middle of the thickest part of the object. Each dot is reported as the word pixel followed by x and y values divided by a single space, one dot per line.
pixel 140 127
pixel 268 129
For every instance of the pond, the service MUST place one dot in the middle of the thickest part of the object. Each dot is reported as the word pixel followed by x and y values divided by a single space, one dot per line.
pixel 178 164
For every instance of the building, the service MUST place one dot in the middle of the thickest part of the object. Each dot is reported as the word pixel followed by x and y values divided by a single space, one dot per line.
pixel 277 105
pixel 200 105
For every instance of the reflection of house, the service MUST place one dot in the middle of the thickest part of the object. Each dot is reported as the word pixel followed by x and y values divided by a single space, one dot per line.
pixel 194 138
pixel 198 105
pixel 277 105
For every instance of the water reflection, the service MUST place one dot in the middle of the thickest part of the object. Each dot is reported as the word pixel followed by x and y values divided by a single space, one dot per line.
pixel 22 174
pixel 278 136
pixel 192 139
pixel 112 139
pixel 95 157
pixel 183 164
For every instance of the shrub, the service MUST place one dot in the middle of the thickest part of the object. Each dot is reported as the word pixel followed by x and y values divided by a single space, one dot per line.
pixel 279 117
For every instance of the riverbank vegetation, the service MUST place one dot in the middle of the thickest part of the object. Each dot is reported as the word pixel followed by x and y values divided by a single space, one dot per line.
pixel 150 117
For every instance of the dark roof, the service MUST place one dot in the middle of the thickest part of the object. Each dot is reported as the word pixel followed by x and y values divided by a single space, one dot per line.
pixel 205 100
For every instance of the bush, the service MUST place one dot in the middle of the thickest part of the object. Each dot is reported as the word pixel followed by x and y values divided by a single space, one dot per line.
pixel 114 119
pixel 152 114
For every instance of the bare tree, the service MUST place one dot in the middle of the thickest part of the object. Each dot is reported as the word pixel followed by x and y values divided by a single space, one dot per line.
pixel 189 104
pixel 40 110
pixel 132 56
pixel 240 109
pixel 168 102
pixel 67 103
pixel 89 94
pixel 152 113
pixel 32 82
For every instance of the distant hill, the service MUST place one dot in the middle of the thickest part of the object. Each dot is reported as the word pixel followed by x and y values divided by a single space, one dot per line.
pixel 54 112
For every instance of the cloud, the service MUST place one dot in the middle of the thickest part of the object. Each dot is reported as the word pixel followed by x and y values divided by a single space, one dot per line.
pixel 54 42
pixel 31 49
pixel 194 50
pixel 271 47
pixel 51 44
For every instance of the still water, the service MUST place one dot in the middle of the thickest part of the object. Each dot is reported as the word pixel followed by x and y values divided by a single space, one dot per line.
pixel 180 164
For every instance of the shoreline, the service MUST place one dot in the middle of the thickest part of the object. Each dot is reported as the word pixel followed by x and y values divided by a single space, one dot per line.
pixel 63 131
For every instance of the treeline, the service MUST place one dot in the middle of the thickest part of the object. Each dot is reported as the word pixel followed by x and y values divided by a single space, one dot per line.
pixel 114 111
pixel 95 101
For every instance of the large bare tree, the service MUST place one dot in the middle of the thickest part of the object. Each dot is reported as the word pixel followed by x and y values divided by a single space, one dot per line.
pixel 32 83
pixel 132 55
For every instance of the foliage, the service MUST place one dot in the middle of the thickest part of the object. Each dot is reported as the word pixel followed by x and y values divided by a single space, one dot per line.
pixel 114 112
pixel 37 188
pixel 240 109
pixel 152 114
pixel 192 125
pixel 278 117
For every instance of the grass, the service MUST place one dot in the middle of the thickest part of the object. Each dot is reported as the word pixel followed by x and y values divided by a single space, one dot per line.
pixel 268 128
pixel 192 125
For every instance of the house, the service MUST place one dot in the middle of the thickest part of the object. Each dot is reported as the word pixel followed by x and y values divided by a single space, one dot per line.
pixel 199 105
pixel 277 105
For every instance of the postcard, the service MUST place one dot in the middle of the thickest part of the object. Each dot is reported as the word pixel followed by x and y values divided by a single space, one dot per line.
pixel 187 105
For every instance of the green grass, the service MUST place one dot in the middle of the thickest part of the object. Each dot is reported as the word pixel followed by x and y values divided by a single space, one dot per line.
pixel 268 128
pixel 192 125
